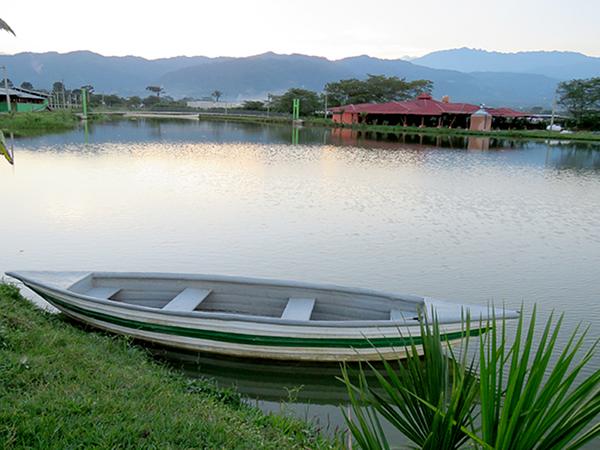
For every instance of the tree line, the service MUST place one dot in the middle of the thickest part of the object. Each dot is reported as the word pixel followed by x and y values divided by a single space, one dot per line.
pixel 373 89
pixel 581 98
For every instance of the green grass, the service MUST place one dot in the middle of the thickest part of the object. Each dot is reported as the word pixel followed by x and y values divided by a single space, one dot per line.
pixel 241 118
pixel 62 387
pixel 510 134
pixel 26 124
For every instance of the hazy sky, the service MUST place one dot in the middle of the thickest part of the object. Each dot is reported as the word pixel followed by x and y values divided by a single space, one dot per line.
pixel 335 29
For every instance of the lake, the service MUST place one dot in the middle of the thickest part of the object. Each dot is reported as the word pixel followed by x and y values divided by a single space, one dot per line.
pixel 470 219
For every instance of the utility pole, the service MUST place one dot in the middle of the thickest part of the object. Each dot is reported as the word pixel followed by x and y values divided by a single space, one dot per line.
pixel 63 94
pixel 552 117
pixel 8 107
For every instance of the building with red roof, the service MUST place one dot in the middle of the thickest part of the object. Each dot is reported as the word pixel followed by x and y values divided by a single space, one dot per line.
pixel 423 111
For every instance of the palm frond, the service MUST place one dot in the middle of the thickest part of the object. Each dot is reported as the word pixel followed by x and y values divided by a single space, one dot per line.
pixel 526 395
pixel 6 27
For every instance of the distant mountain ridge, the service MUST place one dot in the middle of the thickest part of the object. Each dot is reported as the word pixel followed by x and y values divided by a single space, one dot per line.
pixel 465 75
pixel 555 64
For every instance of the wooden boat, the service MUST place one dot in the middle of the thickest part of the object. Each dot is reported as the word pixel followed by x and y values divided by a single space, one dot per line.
pixel 248 317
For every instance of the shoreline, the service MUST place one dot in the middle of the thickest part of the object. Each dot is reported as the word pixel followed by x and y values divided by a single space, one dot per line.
pixel 63 386
pixel 398 130
pixel 32 124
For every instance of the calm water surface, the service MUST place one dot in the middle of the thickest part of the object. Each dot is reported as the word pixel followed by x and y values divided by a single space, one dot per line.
pixel 467 219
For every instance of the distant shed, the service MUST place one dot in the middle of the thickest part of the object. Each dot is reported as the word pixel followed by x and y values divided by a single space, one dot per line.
pixel 423 111
pixel 22 100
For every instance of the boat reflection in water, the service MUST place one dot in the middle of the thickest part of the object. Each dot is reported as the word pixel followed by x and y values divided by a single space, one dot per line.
pixel 307 391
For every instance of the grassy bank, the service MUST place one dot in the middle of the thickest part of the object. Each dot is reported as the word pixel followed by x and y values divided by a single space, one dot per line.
pixel 388 129
pixel 26 124
pixel 243 118
pixel 38 123
pixel 62 387
pixel 506 134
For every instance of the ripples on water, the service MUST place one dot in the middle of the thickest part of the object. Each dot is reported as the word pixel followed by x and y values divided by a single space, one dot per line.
pixel 468 219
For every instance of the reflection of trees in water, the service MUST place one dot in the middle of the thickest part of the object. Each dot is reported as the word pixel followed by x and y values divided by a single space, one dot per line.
pixel 573 157
pixel 155 127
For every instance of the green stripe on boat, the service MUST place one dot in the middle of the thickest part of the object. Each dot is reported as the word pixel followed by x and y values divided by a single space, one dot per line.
pixel 238 338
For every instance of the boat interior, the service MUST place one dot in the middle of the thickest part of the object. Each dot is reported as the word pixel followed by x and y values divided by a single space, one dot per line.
pixel 292 302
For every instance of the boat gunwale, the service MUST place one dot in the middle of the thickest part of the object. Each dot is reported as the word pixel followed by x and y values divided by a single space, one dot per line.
pixel 234 316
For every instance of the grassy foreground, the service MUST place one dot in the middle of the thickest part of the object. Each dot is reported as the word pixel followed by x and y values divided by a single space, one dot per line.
pixel 62 387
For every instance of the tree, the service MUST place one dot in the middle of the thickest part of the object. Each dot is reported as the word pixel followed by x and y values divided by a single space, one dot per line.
pixel 151 100
pixel 309 101
pixel 8 81
pixel 253 105
pixel 216 95
pixel 375 89
pixel 113 100
pixel 4 26
pixel 155 89
pixel 582 99
pixel 58 86
pixel 134 102
pixel 27 85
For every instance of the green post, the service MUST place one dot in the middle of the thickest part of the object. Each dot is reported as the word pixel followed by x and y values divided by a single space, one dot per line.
pixel 84 102
pixel 296 109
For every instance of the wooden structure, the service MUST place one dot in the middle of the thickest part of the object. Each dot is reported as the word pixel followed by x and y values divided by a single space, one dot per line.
pixel 249 317
pixel 22 100
pixel 423 111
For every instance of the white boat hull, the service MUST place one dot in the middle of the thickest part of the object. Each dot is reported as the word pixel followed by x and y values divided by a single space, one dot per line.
pixel 241 335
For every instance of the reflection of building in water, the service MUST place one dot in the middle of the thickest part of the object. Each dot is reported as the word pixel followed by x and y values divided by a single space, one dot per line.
pixel 424 111
pixel 419 141
pixel 478 143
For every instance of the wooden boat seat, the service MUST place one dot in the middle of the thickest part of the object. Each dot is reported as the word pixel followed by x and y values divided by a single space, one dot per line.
pixel 298 308
pixel 102 292
pixel 187 300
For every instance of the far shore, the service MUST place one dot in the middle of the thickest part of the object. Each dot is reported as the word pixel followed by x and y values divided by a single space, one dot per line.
pixel 27 124
pixel 395 129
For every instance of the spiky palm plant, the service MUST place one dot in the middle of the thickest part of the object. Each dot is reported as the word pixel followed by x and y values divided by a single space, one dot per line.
pixel 6 27
pixel 521 400
pixel 527 401
pixel 430 400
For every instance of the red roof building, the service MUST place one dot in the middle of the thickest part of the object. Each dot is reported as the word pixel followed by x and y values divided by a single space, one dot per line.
pixel 422 111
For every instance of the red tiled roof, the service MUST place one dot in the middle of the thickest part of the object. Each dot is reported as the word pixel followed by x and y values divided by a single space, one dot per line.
pixel 423 105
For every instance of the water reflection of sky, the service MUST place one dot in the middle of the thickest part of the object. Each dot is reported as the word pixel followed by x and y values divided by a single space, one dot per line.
pixel 559 154
pixel 517 223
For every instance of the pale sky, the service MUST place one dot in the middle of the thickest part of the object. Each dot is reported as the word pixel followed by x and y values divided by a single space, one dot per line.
pixel 334 29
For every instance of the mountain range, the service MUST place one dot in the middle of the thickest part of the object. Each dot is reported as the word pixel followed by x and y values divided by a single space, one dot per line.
pixel 510 79
pixel 559 65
